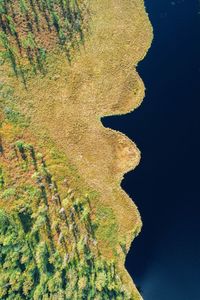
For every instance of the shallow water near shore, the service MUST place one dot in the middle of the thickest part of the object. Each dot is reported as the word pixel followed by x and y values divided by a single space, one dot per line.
pixel 164 260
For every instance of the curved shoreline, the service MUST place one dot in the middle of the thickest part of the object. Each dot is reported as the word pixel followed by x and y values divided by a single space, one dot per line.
pixel 138 99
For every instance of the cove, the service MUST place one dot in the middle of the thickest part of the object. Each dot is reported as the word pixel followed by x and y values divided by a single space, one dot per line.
pixel 164 260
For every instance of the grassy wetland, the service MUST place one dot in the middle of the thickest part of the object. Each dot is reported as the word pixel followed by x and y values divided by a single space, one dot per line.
pixel 66 224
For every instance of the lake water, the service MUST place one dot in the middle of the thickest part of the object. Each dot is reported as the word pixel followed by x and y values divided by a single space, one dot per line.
pixel 164 260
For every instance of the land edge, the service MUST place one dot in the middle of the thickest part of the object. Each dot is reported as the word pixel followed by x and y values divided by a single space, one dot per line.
pixel 138 100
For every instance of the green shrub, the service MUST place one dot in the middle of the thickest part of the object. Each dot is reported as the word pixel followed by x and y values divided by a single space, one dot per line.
pixel 8 193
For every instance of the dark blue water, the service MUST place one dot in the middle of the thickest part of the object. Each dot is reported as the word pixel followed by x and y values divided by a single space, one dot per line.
pixel 165 259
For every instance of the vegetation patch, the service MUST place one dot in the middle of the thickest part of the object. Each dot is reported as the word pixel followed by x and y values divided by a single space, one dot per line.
pixel 52 220
pixel 30 29
pixel 48 238
pixel 108 232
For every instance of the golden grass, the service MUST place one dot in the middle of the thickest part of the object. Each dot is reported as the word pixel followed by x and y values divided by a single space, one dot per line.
pixel 67 106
